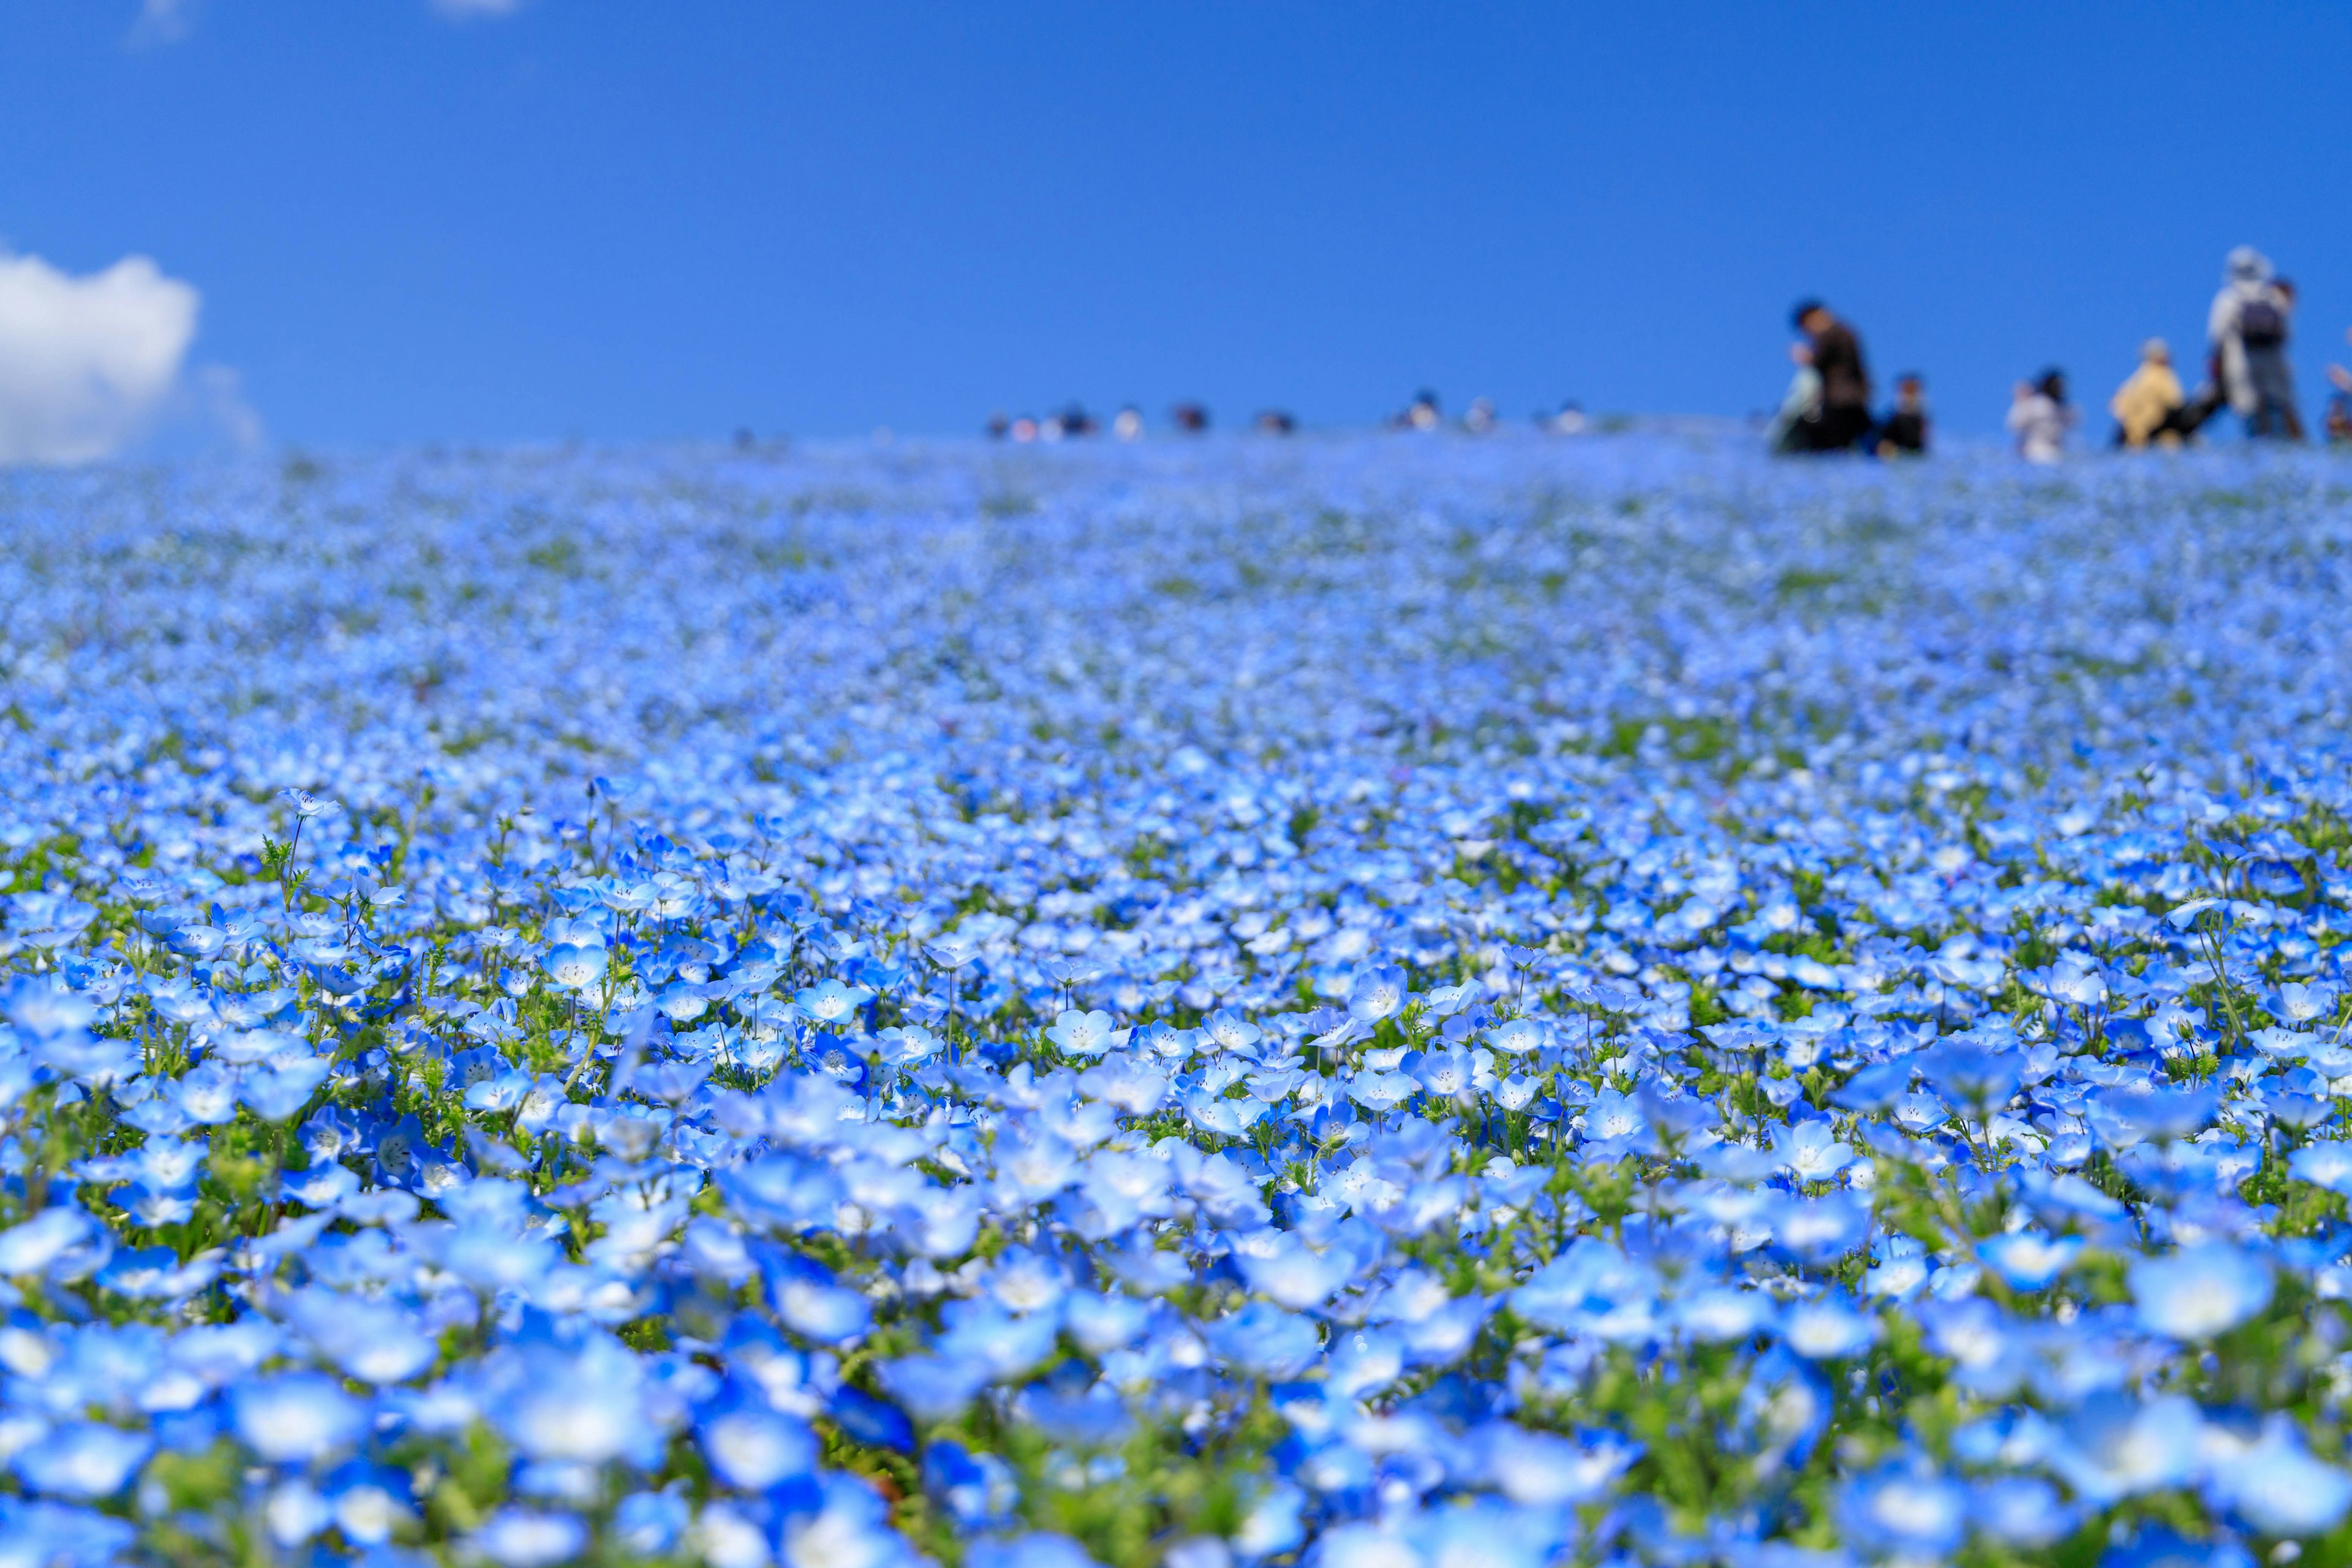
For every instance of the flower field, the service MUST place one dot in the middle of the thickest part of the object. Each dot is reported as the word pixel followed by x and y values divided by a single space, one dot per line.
pixel 1368 1002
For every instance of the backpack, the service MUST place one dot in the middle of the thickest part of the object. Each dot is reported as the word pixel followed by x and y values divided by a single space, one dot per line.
pixel 2260 324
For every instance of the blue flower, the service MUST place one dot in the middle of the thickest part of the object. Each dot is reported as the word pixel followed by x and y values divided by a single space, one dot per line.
pixel 2199 1291
pixel 1903 1508
pixel 2027 1259
pixel 296 1418
pixel 84 1461
pixel 2021 1510
pixel 1810 1152
pixel 521 1538
pixel 2277 1487
pixel 754 1448
pixel 573 966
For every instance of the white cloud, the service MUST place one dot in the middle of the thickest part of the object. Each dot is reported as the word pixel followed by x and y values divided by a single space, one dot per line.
pixel 162 22
pixel 87 364
pixel 169 21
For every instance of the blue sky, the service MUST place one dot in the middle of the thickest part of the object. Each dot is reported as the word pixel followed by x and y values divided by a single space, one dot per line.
pixel 605 218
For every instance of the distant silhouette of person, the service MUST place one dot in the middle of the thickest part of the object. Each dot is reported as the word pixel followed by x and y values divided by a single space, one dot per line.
pixel 1420 413
pixel 1843 419
pixel 2339 406
pixel 1275 422
pixel 2288 410
pixel 2147 405
pixel 2039 417
pixel 1481 416
pixel 1800 402
pixel 999 426
pixel 2247 327
pixel 1905 433
pixel 1569 421
pixel 1189 417
pixel 1128 424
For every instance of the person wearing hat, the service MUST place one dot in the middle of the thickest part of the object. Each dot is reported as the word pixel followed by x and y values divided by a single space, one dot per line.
pixel 2145 405
pixel 2248 328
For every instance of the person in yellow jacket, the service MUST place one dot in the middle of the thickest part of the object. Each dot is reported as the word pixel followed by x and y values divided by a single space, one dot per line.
pixel 2144 406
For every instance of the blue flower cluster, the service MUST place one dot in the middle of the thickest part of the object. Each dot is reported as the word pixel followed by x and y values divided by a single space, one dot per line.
pixel 1366 1003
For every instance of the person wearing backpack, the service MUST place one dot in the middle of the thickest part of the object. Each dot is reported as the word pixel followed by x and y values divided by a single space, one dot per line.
pixel 2248 328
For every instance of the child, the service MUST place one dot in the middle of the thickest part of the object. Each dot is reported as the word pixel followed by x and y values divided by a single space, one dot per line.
pixel 1906 430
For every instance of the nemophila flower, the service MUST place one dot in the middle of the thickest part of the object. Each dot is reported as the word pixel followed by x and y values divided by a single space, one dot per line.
pixel 2021 1511
pixel 649 1524
pixel 1544 1470
pixel 1517 1036
pixel 2112 1445
pixel 524 1538
pixel 2199 1291
pixel 829 1001
pixel 45 1239
pixel 1083 1034
pixel 1231 1032
pixel 1376 993
pixel 372 1340
pixel 296 1417
pixel 2277 1487
pixel 2027 1259
pixel 83 1460
pixel 1827 1328
pixel 2160 1546
pixel 1614 1127
pixel 1810 1152
pixel 1816 1230
pixel 588 1404
pixel 1904 1510
pixel 754 1448
pixel 1592 1287
pixel 304 803
pixel 573 966
pixel 2325 1165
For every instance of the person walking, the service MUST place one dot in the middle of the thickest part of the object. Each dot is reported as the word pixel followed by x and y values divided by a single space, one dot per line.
pixel 2247 327
pixel 1842 420
pixel 2039 417
pixel 2146 406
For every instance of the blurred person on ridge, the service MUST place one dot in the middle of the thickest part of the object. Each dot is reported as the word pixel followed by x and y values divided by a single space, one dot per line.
pixel 1905 433
pixel 2247 327
pixel 1843 421
pixel 2147 405
pixel 1801 401
pixel 2039 417
pixel 2339 406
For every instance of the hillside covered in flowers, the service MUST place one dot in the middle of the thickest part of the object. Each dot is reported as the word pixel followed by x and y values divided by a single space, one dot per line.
pixel 1363 1002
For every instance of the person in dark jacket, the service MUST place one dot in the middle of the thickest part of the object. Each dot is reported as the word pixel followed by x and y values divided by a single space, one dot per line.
pixel 1843 421
pixel 1905 434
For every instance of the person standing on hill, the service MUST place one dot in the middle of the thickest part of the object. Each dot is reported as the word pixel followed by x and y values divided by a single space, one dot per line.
pixel 2248 329
pixel 1842 419
pixel 2146 405
pixel 1905 434
pixel 2039 417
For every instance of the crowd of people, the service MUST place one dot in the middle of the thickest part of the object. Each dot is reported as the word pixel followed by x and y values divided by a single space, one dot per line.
pixel 1192 419
pixel 1827 407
